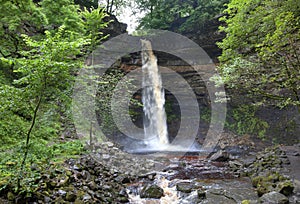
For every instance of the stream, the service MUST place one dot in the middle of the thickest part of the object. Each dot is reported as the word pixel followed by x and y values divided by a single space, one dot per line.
pixel 193 179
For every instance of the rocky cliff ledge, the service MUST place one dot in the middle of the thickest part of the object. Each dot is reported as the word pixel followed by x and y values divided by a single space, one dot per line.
pixel 114 28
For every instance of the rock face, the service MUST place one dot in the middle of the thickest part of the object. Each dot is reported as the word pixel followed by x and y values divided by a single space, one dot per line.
pixel 208 36
pixel 114 28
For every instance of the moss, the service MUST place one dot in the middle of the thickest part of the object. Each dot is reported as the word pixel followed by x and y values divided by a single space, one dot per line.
pixel 11 196
pixel 286 188
pixel 257 180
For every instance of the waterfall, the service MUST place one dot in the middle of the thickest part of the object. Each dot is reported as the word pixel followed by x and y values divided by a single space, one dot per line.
pixel 153 97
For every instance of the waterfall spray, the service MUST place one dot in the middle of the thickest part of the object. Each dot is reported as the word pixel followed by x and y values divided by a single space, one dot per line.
pixel 153 97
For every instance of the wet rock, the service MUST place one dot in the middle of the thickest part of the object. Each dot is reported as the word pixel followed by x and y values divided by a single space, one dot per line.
pixel 61 192
pixel 122 178
pixel 149 175
pixel 185 187
pixel 217 196
pixel 86 175
pixel 123 196
pixel 201 194
pixel 249 160
pixel 220 156
pixel 86 198
pixel 47 199
pixel 274 198
pixel 76 167
pixel 236 166
pixel 109 144
pixel 92 185
pixel 152 191
pixel 106 156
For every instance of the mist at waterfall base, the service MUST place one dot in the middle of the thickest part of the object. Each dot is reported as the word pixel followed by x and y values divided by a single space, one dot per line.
pixel 156 138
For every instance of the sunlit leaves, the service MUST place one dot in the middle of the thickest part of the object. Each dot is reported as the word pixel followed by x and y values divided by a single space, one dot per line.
pixel 265 33
pixel 93 23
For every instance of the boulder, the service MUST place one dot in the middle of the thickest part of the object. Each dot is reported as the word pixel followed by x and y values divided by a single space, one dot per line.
pixel 285 187
pixel 220 156
pixel 152 191
pixel 185 187
pixel 274 198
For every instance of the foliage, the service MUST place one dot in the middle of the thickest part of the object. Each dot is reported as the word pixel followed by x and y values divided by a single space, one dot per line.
pixel 43 67
pixel 67 12
pixel 243 120
pixel 114 6
pixel 14 115
pixel 16 17
pixel 202 12
pixel 42 47
pixel 31 63
pixel 93 24
pixel 107 87
pixel 42 155
pixel 261 49
pixel 88 4
pixel 182 16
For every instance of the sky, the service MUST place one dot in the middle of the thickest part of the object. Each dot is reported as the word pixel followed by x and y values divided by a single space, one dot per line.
pixel 126 16
pixel 130 19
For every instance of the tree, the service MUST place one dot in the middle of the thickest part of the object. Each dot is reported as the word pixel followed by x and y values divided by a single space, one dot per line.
pixel 114 6
pixel 47 63
pixel 44 45
pixel 261 49
pixel 88 4
pixel 180 16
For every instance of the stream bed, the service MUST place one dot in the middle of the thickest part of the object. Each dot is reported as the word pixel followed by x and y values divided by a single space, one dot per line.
pixel 192 179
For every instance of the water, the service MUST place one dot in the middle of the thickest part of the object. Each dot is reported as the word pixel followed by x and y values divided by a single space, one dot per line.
pixel 153 98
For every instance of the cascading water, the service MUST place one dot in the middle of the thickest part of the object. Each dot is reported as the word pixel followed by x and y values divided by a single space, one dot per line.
pixel 153 97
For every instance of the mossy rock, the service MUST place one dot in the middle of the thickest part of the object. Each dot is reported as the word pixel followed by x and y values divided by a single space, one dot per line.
pixel 265 187
pixel 285 187
pixel 201 194
pixel 78 201
pixel 274 177
pixel 152 191
pixel 11 196
pixel 256 180
pixel 70 197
